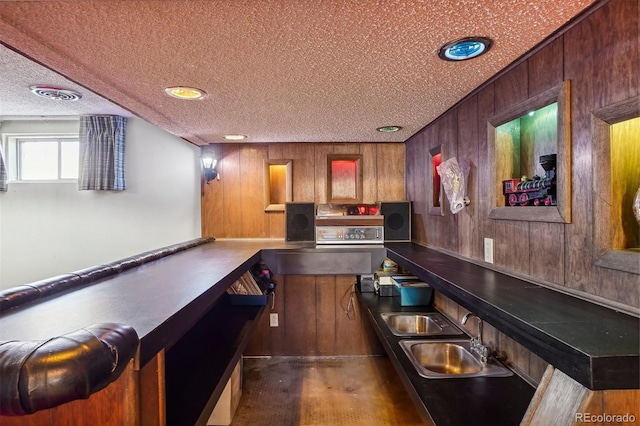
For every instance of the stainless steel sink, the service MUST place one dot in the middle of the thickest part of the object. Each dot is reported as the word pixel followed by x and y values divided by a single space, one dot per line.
pixel 438 359
pixel 408 324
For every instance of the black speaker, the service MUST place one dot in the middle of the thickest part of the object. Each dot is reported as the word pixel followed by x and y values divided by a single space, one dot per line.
pixel 300 222
pixel 397 220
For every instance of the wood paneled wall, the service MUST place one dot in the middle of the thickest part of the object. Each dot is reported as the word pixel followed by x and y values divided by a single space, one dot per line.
pixel 311 309
pixel 233 207
pixel 317 316
pixel 599 55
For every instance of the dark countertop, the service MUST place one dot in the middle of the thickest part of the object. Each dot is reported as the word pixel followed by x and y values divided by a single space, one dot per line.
pixel 596 346
pixel 161 299
pixel 455 401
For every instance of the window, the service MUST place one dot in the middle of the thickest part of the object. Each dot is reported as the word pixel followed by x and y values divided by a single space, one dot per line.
pixel 37 158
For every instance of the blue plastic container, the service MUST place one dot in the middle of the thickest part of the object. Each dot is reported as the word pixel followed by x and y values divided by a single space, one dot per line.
pixel 412 292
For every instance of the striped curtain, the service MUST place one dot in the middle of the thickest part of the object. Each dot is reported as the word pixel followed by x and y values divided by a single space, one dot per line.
pixel 3 173
pixel 102 153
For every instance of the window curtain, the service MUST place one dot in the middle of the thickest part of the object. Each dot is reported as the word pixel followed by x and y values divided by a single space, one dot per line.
pixel 102 153
pixel 3 173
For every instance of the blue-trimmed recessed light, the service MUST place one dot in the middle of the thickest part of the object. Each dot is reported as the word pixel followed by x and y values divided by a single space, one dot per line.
pixel 465 48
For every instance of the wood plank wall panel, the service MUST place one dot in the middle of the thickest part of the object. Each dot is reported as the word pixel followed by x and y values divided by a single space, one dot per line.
pixel 511 245
pixel 369 172
pixel 254 221
pixel 512 88
pixel 231 219
pixel 545 68
pixel 447 135
pixel 327 315
pixel 277 337
pixel 349 331
pixel 620 74
pixel 303 170
pixel 152 392
pixel 300 317
pixel 547 239
pixel 583 70
pixel 390 160
pixel 609 60
pixel 213 213
pixel 469 243
pixel 416 192
pixel 599 54
pixel 486 109
pixel 435 226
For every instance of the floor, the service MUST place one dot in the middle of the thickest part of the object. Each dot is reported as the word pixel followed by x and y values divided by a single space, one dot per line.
pixel 318 391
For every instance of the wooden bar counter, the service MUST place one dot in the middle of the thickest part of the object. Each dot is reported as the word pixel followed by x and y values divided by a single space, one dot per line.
pixel 191 336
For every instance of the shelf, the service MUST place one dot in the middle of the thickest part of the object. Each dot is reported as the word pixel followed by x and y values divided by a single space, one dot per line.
pixel 199 365
pixel 595 346
pixel 521 142
pixel 616 177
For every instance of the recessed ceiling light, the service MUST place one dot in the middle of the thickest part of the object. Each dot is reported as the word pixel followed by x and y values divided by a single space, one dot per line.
pixel 465 48
pixel 388 129
pixel 184 92
pixel 55 93
pixel 234 137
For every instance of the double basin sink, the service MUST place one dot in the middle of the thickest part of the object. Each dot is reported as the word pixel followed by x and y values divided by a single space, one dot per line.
pixel 439 357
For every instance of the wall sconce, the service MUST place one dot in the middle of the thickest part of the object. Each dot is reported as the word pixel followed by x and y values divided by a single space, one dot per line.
pixel 209 164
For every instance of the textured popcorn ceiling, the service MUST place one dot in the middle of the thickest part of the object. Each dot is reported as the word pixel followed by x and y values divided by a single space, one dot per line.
pixel 275 70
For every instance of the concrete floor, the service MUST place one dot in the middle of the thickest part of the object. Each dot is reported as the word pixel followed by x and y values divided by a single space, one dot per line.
pixel 315 391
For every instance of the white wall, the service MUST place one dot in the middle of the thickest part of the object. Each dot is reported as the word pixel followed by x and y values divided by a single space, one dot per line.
pixel 48 229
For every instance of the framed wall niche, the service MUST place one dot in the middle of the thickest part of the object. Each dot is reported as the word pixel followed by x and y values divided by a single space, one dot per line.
pixel 278 188
pixel 616 180
pixel 436 205
pixel 521 141
pixel 344 178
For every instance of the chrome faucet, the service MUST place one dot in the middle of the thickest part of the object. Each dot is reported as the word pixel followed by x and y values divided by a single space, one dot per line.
pixel 476 342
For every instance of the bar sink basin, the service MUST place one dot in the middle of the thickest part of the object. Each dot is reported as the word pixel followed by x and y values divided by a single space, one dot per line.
pixel 412 324
pixel 441 359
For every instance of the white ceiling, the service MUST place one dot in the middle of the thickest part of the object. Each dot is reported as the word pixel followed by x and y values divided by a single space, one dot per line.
pixel 274 70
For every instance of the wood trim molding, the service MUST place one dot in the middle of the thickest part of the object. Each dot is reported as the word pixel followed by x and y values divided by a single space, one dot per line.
pixel 606 254
pixel 560 213
pixel 339 189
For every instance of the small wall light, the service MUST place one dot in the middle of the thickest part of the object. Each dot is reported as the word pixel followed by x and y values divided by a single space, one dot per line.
pixel 209 163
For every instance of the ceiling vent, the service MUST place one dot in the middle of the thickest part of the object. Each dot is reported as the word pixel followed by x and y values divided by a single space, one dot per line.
pixel 55 93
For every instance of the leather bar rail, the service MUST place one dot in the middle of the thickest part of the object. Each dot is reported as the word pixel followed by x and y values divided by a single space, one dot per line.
pixel 19 295
pixel 36 375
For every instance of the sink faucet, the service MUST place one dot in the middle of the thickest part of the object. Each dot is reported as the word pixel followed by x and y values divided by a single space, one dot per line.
pixel 476 342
